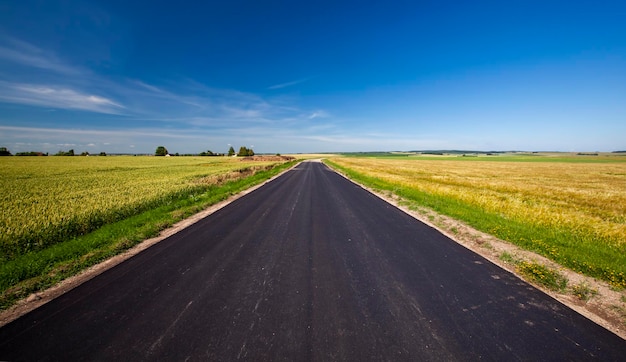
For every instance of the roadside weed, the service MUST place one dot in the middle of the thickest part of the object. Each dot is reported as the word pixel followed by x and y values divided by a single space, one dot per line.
pixel 507 258
pixel 541 274
pixel 583 291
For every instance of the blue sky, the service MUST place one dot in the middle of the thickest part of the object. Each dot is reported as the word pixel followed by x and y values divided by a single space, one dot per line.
pixel 319 76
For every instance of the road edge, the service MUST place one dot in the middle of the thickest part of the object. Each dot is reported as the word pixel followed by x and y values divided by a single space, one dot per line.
pixel 476 247
pixel 37 299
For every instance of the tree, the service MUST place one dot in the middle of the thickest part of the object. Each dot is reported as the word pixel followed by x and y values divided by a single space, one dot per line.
pixel 161 151
pixel 68 153
pixel 4 152
pixel 231 151
pixel 244 151
pixel 31 153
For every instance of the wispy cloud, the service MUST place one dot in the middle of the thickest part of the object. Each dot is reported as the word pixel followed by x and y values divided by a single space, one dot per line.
pixel 174 111
pixel 24 54
pixel 87 137
pixel 56 97
pixel 289 84
pixel 37 77
pixel 61 85
pixel 152 91
pixel 319 114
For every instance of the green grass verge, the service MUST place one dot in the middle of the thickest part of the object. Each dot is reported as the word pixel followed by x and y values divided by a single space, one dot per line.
pixel 38 270
pixel 586 255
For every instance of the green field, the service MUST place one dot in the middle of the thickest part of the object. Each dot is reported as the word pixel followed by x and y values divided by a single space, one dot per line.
pixel 569 208
pixel 62 214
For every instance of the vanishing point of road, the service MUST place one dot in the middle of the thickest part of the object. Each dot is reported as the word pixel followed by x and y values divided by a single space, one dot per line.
pixel 309 267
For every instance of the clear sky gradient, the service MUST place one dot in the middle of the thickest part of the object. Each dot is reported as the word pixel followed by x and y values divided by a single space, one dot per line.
pixel 312 76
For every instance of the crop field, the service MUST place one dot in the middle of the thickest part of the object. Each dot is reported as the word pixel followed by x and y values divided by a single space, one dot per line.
pixel 48 199
pixel 569 209
pixel 49 203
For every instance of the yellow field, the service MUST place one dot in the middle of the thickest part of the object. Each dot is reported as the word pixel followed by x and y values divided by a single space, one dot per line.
pixel 590 197
pixel 561 206
pixel 45 198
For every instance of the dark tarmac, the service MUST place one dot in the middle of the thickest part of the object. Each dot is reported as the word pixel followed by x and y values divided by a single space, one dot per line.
pixel 308 267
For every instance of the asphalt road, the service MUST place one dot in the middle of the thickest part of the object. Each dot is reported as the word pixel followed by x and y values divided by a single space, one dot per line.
pixel 308 267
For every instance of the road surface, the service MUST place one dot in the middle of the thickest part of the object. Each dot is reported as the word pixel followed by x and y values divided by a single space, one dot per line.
pixel 308 267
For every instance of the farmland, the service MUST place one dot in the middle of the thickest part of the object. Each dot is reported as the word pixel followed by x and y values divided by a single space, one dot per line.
pixel 57 210
pixel 567 208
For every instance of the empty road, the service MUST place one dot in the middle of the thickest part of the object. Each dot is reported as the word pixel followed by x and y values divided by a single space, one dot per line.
pixel 309 267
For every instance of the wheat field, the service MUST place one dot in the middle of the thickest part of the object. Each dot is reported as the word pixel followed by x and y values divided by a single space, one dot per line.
pixel 48 199
pixel 586 201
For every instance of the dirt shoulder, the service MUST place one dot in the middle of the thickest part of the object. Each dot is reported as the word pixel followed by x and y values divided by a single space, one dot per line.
pixel 606 307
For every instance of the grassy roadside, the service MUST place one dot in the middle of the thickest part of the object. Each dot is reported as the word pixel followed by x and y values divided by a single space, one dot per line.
pixel 575 250
pixel 38 270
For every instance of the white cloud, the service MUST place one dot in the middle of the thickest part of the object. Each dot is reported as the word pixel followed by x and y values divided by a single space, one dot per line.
pixel 22 53
pixel 56 97
pixel 182 110
pixel 34 76
pixel 319 114
pixel 184 101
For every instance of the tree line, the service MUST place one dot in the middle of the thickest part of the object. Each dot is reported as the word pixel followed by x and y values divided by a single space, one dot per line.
pixel 5 152
pixel 243 152
pixel 160 151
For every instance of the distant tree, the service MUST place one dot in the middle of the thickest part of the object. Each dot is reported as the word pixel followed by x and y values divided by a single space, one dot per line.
pixel 231 151
pixel 161 151
pixel 208 153
pixel 5 152
pixel 244 151
pixel 84 153
pixel 63 153
pixel 103 153
pixel 31 153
